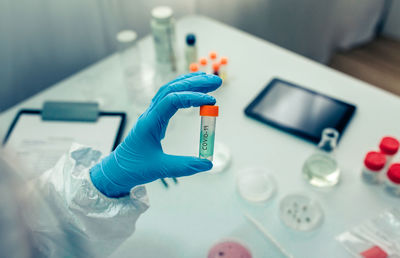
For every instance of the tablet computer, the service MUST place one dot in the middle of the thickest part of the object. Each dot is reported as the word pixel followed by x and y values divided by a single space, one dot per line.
pixel 298 110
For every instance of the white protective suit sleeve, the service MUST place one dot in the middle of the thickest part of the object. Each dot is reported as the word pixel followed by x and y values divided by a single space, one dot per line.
pixel 84 222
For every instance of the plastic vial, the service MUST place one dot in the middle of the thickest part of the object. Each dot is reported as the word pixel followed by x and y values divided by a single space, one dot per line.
pixel 203 64
pixel 208 115
pixel 321 169
pixel 190 50
pixel 223 68
pixel 163 30
pixel 374 164
pixel 389 146
pixel 193 67
pixel 392 182
pixel 215 67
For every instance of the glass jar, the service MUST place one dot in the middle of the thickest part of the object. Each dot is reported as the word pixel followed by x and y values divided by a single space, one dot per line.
pixel 321 169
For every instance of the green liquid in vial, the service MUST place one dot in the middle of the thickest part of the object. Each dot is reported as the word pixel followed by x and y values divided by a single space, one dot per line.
pixel 206 143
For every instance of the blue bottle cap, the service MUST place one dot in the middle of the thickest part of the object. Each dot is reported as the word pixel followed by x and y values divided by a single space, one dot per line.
pixel 190 39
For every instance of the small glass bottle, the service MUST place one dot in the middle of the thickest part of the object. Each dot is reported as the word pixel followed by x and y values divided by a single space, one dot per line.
pixel 389 146
pixel 163 30
pixel 203 65
pixel 190 50
pixel 321 169
pixel 223 68
pixel 208 115
pixel 392 181
pixel 374 164
pixel 215 68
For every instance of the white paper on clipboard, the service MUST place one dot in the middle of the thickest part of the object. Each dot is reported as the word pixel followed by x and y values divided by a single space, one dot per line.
pixel 38 144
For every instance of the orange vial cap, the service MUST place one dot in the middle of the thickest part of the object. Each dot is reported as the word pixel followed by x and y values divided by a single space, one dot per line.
pixel 213 55
pixel 193 67
pixel 203 61
pixel 215 67
pixel 209 110
pixel 224 60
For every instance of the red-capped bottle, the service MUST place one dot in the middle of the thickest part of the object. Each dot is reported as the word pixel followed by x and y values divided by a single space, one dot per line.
pixel 389 146
pixel 392 182
pixel 374 165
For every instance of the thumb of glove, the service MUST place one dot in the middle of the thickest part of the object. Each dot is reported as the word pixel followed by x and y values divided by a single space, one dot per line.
pixel 177 166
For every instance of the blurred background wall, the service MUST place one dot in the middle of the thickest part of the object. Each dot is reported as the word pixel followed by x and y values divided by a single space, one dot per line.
pixel 45 41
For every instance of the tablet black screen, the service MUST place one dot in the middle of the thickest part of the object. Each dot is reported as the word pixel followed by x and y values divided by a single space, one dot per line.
pixel 299 110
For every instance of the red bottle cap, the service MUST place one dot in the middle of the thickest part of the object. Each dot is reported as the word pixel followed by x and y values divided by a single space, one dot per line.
pixel 389 145
pixel 374 160
pixel 394 173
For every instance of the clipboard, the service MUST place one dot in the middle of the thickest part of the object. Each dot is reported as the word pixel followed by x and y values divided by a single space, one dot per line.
pixel 38 138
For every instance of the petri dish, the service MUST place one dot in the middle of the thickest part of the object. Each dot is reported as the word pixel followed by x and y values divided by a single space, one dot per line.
pixel 300 212
pixel 255 184
pixel 229 249
pixel 221 158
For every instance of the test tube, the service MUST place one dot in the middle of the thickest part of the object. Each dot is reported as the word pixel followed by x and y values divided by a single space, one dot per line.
pixel 223 68
pixel 215 67
pixel 208 115
pixel 203 65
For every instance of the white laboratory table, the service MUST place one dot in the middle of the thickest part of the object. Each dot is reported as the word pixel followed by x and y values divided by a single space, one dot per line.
pixel 185 220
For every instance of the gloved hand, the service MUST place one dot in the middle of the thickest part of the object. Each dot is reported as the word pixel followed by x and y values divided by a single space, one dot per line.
pixel 140 159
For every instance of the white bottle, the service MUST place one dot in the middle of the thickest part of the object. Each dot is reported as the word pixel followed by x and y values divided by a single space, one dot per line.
pixel 389 146
pixel 374 164
pixel 392 182
pixel 163 30
pixel 190 50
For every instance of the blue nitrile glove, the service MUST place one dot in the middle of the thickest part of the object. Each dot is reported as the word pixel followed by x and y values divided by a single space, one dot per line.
pixel 140 159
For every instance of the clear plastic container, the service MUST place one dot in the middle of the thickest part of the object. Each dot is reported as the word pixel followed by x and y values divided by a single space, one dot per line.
pixel 300 212
pixel 255 184
pixel 392 182
pixel 374 164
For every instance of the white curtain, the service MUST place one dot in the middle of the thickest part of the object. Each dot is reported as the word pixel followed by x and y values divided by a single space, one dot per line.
pixel 44 41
